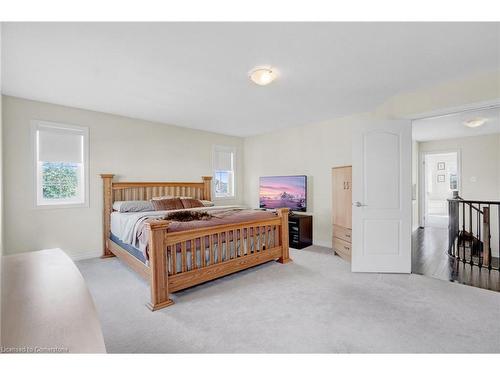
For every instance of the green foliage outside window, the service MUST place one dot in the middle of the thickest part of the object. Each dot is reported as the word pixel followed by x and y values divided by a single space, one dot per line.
pixel 60 180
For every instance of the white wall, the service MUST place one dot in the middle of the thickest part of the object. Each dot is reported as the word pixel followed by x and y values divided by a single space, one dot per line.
pixel 440 191
pixel 314 149
pixel 480 171
pixel 134 150
pixel 480 164
pixel 415 183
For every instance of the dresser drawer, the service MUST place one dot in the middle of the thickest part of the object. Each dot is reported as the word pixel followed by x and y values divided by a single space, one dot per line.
pixel 341 246
pixel 342 233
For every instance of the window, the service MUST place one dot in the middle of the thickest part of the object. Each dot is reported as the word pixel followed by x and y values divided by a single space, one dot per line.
pixel 61 164
pixel 223 164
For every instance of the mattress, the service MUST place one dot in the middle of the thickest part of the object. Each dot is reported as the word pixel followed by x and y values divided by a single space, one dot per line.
pixel 129 248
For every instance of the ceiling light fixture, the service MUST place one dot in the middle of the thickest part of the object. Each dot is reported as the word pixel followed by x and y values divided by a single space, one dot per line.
pixel 263 76
pixel 475 122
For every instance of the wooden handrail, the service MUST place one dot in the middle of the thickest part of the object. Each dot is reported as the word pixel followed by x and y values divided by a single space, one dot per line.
pixel 474 201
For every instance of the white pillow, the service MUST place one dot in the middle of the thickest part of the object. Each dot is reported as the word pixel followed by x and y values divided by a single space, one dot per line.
pixel 207 203
pixel 133 206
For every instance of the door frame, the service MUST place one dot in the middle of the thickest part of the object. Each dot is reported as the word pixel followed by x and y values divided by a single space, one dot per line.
pixel 422 178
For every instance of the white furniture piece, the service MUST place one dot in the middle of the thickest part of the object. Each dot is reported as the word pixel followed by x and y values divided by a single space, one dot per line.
pixel 46 306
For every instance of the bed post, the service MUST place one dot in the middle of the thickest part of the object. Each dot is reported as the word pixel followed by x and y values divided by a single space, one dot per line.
pixel 285 256
pixel 158 265
pixel 107 182
pixel 207 187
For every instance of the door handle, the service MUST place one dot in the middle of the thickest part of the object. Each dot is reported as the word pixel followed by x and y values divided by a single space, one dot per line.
pixel 358 204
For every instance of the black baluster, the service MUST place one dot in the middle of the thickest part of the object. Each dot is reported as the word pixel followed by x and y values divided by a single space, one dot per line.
pixel 451 230
pixel 480 257
pixel 471 233
pixel 455 226
pixel 489 236
pixel 463 232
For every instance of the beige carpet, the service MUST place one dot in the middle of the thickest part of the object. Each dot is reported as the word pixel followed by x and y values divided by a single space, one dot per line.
pixel 314 304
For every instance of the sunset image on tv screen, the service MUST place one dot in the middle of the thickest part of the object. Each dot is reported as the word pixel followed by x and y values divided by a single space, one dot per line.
pixel 283 191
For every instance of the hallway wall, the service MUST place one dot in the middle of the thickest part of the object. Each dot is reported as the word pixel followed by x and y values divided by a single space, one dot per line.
pixel 480 171
pixel 480 164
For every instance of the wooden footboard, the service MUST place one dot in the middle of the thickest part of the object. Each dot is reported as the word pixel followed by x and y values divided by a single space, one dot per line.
pixel 179 260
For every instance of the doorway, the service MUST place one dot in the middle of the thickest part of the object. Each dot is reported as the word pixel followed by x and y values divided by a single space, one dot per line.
pixel 456 154
pixel 441 181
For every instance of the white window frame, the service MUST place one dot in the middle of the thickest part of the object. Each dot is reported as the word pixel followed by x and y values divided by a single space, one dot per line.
pixel 231 149
pixel 62 203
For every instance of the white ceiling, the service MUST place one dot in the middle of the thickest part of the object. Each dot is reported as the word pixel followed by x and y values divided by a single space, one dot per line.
pixel 195 74
pixel 452 126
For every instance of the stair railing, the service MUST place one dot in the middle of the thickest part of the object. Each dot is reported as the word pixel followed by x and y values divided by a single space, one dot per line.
pixel 469 232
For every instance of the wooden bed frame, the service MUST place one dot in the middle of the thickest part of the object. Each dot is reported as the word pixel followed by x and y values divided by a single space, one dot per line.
pixel 161 242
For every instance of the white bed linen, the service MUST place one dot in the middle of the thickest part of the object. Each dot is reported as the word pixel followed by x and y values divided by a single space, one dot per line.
pixel 124 224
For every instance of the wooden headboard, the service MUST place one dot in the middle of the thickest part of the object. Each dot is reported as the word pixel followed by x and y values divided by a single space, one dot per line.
pixel 127 191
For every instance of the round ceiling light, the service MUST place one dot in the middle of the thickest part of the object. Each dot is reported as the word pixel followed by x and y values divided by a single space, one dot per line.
pixel 475 122
pixel 263 76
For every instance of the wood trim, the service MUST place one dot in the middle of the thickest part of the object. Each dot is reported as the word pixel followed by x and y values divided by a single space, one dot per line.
pixel 127 185
pixel 130 260
pixel 176 237
pixel 283 215
pixel 107 184
pixel 158 265
pixel 342 166
pixel 207 187
pixel 198 276
pixel 137 190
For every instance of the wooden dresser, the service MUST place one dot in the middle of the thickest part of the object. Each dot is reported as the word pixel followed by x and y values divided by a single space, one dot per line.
pixel 342 211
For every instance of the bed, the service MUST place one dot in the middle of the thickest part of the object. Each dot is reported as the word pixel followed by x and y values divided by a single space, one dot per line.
pixel 173 255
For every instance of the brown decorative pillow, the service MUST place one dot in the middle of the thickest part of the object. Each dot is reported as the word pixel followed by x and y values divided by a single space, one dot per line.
pixel 191 203
pixel 167 204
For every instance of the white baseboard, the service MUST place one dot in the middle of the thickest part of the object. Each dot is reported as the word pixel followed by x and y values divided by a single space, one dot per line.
pixel 81 255
pixel 323 244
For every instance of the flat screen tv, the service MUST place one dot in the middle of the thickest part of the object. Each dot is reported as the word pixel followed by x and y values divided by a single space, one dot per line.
pixel 283 191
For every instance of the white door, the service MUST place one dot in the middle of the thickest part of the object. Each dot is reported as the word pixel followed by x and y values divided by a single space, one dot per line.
pixel 381 194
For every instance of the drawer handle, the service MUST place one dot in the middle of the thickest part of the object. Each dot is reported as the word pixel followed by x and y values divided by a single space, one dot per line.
pixel 348 235
pixel 345 247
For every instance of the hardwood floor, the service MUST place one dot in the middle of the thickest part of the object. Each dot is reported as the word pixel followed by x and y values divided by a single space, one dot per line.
pixel 429 258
